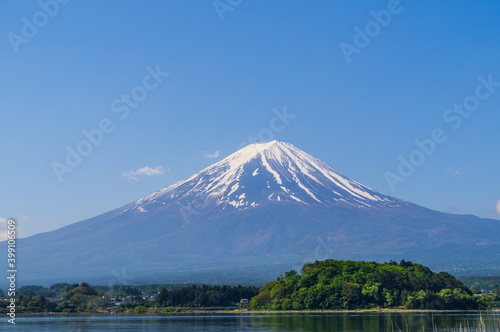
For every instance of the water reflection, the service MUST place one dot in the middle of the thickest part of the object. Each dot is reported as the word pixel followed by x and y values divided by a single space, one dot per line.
pixel 347 322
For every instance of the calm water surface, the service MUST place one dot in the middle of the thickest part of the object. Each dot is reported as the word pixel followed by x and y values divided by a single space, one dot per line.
pixel 349 322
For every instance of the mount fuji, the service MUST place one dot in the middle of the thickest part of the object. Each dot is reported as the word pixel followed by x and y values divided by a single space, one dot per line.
pixel 265 209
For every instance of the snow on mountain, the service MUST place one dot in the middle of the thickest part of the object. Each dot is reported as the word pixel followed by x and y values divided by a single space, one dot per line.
pixel 263 172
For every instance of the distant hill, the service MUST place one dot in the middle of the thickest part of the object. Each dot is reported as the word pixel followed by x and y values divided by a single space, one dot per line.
pixel 482 282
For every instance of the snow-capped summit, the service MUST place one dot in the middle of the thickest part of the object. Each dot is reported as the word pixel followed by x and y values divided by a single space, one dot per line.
pixel 263 172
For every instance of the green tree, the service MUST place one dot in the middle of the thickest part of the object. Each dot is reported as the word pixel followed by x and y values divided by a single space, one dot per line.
pixel 351 294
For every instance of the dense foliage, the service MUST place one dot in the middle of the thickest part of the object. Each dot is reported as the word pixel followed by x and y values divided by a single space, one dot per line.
pixel 205 296
pixel 117 290
pixel 83 297
pixel 335 284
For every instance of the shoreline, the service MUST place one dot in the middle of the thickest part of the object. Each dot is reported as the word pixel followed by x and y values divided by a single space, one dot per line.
pixel 211 312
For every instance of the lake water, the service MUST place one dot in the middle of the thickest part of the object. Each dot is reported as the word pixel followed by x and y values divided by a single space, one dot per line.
pixel 347 322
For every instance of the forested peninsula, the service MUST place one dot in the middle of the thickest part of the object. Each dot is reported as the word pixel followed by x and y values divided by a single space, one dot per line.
pixel 333 284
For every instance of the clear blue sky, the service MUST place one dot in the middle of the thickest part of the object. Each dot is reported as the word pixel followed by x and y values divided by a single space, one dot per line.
pixel 225 78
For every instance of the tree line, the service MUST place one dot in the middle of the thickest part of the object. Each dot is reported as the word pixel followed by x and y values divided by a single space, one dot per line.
pixel 205 296
pixel 64 297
